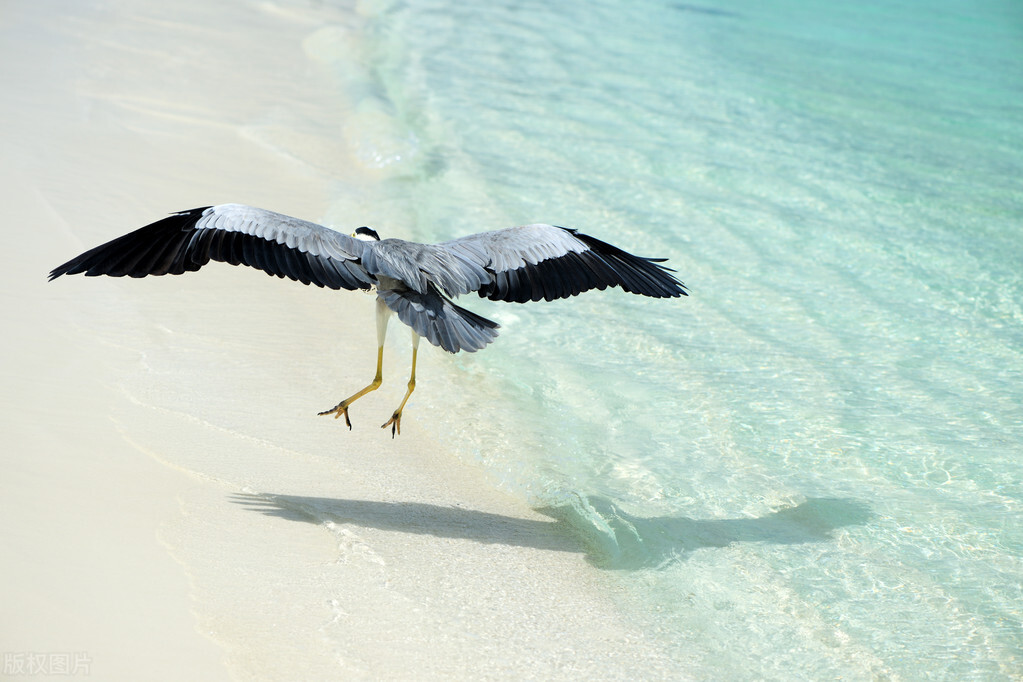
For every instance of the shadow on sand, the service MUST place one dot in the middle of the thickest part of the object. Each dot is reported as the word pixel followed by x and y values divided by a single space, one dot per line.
pixel 610 537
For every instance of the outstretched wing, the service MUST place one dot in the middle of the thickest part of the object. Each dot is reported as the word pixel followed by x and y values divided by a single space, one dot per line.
pixel 536 262
pixel 232 233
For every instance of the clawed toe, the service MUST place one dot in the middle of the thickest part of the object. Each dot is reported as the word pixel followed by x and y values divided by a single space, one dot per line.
pixel 337 411
pixel 395 423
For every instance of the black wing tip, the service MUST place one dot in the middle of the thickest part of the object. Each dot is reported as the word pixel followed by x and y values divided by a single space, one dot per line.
pixel 634 274
pixel 75 266
pixel 600 266
pixel 108 258
pixel 647 277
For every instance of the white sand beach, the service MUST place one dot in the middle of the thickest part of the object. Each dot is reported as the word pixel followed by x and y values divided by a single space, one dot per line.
pixel 173 507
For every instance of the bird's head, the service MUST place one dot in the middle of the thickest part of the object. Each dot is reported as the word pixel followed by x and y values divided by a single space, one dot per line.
pixel 366 234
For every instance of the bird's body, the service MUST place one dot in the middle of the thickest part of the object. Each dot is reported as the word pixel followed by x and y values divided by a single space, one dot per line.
pixel 415 281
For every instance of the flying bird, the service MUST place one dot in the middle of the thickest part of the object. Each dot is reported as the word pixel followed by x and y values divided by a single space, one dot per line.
pixel 415 281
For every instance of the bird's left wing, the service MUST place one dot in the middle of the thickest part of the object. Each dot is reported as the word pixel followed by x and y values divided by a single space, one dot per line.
pixel 232 233
pixel 535 262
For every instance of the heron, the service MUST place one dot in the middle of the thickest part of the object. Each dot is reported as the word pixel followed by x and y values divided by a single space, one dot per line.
pixel 414 281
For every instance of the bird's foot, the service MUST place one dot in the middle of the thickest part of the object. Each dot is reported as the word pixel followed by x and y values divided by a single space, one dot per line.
pixel 394 422
pixel 340 409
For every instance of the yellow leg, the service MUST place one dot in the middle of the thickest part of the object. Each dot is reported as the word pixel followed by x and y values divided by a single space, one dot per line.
pixel 342 407
pixel 395 421
pixel 383 315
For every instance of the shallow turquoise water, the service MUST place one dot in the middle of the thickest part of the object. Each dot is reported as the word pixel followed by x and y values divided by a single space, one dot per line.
pixel 812 467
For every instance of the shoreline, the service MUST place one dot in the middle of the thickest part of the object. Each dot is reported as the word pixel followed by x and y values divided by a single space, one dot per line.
pixel 176 504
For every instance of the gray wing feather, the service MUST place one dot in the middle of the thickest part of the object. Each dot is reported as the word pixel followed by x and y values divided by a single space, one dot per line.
pixel 232 233
pixel 535 262
pixel 418 266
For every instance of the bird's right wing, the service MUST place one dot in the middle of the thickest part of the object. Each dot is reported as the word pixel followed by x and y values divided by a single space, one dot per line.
pixel 232 233
pixel 535 262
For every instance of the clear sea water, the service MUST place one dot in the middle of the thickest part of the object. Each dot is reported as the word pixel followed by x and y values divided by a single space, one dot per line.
pixel 812 468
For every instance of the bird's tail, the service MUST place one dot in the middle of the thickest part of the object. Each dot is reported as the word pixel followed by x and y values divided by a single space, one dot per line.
pixel 439 321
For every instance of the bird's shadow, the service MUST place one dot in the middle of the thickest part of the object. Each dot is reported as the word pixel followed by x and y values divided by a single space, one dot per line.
pixel 608 536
